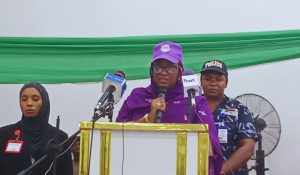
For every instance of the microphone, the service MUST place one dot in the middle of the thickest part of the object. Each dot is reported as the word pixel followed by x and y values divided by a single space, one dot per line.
pixel 114 84
pixel 191 86
pixel 162 91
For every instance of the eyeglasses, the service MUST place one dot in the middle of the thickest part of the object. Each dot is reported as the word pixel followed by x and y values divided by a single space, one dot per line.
pixel 169 69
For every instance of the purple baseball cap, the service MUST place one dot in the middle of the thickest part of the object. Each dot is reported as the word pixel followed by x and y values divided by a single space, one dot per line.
pixel 169 51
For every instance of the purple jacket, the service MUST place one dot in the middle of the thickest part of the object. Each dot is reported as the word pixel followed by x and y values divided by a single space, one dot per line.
pixel 138 103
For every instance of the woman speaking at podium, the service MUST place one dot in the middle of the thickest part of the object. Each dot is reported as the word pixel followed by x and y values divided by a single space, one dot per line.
pixel 23 143
pixel 163 100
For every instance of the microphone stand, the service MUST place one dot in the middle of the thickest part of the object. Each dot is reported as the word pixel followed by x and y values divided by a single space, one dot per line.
pixel 31 167
pixel 109 111
pixel 52 148
pixel 101 111
pixel 190 112
pixel 56 148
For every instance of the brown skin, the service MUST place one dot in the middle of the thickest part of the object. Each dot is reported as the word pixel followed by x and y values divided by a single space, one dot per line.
pixel 213 85
pixel 240 157
pixel 162 79
pixel 30 102
pixel 76 149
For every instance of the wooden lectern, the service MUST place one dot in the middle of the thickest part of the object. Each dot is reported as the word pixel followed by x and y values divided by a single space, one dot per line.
pixel 144 149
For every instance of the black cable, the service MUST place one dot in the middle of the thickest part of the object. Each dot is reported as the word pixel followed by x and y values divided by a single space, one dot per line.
pixel 61 155
pixel 123 146
pixel 106 109
pixel 91 145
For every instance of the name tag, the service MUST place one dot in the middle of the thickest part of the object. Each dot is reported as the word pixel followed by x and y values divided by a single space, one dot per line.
pixel 14 146
pixel 223 135
pixel 232 112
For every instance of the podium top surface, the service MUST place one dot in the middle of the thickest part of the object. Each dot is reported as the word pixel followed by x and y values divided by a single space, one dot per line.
pixel 203 128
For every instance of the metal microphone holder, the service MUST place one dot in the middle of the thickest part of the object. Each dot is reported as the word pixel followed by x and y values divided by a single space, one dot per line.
pixel 110 108
pixel 54 148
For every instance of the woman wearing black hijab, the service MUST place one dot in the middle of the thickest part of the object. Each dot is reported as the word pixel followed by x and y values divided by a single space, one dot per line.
pixel 23 143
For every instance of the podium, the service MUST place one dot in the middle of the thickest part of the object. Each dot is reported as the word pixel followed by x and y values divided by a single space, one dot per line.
pixel 144 149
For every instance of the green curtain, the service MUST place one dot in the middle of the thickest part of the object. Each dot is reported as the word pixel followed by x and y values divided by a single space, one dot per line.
pixel 74 60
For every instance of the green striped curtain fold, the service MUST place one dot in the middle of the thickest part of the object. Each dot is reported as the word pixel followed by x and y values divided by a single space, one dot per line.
pixel 76 60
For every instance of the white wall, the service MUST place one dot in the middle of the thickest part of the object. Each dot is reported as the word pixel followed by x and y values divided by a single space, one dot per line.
pixel 277 82
pixel 101 18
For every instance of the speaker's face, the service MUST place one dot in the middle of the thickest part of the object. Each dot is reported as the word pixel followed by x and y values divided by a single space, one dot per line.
pixel 165 73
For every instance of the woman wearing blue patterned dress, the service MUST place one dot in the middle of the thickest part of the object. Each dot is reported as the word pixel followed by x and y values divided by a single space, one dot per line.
pixel 236 131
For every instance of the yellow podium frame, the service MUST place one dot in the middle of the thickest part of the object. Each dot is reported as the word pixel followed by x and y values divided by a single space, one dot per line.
pixel 182 131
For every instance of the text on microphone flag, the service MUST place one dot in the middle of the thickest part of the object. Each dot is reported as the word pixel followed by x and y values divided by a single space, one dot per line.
pixel 118 82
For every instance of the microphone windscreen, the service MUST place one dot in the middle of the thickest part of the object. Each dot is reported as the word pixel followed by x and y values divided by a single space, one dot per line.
pixel 190 81
pixel 162 91
pixel 120 73
pixel 115 80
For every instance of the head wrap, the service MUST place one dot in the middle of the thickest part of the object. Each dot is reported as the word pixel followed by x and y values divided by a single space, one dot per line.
pixel 34 127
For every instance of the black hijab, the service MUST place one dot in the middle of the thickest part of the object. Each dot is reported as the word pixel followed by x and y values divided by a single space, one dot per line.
pixel 34 128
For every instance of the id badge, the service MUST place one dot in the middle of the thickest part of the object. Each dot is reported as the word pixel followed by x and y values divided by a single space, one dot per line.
pixel 223 135
pixel 14 146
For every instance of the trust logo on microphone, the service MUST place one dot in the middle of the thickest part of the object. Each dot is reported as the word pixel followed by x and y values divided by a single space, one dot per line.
pixel 189 80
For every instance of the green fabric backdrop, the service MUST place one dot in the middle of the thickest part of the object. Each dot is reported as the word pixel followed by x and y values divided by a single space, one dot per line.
pixel 74 60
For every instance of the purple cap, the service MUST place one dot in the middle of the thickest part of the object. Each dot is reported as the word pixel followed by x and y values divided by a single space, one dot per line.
pixel 169 51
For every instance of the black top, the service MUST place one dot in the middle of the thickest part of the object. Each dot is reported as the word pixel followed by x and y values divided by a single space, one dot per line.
pixel 13 163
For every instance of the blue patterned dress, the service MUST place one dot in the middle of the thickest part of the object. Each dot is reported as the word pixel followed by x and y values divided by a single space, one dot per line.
pixel 234 123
